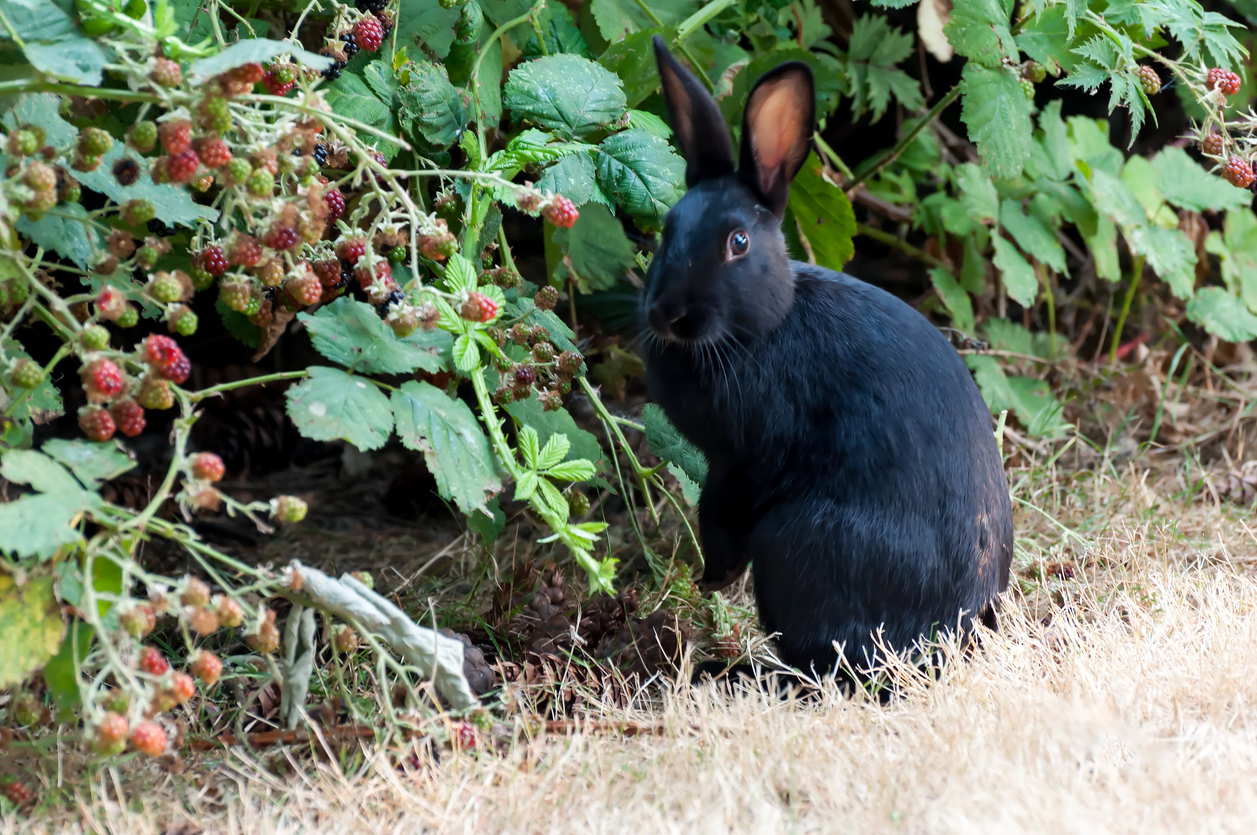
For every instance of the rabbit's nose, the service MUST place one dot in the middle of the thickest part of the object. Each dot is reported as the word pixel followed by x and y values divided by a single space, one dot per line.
pixel 664 317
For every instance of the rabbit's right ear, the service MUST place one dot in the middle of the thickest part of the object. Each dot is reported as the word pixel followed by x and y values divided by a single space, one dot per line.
pixel 699 127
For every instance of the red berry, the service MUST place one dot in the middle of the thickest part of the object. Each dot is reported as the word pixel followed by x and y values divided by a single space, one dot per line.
pixel 368 33
pixel 463 735
pixel 1225 81
pixel 351 249
pixel 525 376
pixel 182 687
pixel 213 151
pixel 128 415
pixel 111 734
pixel 166 73
pixel 305 288
pixel 152 661
pixel 206 666
pixel 281 237
pixel 96 423
pixel 1149 80
pixel 479 308
pixel 328 271
pixel 18 793
pixel 1238 172
pixel 208 466
pixel 214 261
pixel 182 167
pixel 1213 145
pixel 274 86
pixel 176 136
pixel 250 73
pixel 246 252
pixel 335 204
pixel 176 371
pixel 149 738
pixel 382 273
pixel 561 212
pixel 110 302
pixel 103 380
pixel 159 350
pixel 138 621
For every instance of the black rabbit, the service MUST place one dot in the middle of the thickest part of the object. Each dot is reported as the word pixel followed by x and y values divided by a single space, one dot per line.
pixel 851 458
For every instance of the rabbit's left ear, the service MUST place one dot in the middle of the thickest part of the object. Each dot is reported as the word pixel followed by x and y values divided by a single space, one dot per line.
pixel 777 132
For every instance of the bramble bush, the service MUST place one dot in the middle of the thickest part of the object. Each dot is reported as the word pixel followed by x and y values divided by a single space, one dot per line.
pixel 350 167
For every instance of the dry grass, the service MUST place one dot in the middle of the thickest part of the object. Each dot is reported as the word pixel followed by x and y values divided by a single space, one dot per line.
pixel 1134 709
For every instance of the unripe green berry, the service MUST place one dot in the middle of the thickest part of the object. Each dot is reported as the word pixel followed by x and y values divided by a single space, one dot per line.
pixel 95 338
pixel 26 374
pixel 129 318
pixel 146 257
pixel 578 503
pixel 1027 87
pixel 94 142
pixel 138 212
pixel 397 254
pixel 24 142
pixel 143 136
pixel 165 288
pixel 239 170
pixel 184 322
pixel 261 183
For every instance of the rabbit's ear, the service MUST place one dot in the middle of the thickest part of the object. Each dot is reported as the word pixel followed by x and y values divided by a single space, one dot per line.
pixel 699 128
pixel 777 132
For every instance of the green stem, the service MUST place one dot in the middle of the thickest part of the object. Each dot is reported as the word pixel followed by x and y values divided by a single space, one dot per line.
pixel 31 85
pixel 494 426
pixel 904 247
pixel 833 155
pixel 293 104
pixel 1137 270
pixel 1050 298
pixel 685 50
pixel 198 396
pixel 642 473
pixel 887 157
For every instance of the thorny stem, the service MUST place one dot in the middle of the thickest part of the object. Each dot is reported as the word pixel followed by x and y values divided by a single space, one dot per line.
pixel 198 396
pixel 903 246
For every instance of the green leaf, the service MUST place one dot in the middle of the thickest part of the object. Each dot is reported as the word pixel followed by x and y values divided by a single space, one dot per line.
pixel 426 22
pixel 90 462
pixel 824 214
pixel 59 672
pixel 466 353
pixel 431 107
pixel 1032 236
pixel 1236 248
pixel 640 172
pixel 955 299
pixel 52 43
pixel 38 525
pixel 26 466
pixel 529 447
pixel 331 405
pixel 255 50
pixel 1048 38
pixel 454 447
pixel 351 96
pixel 1029 399
pixel 1018 276
pixel 872 75
pixel 526 486
pixel 1113 198
pixel 997 113
pixel 238 325
pixel 578 470
pixel 618 18
pixel 1170 253
pixel 64 230
pixel 597 250
pixel 633 60
pixel 351 333
pixel 1187 185
pixel 574 177
pixel 529 413
pixel 488 524
pixel 668 443
pixel 561 33
pixel 977 193
pixel 570 96
pixel 979 30
pixel 31 627
pixel 649 122
pixel 553 452
pixel 1222 314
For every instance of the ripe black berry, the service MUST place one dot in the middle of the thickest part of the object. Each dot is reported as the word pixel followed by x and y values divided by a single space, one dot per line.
pixel 320 154
pixel 395 296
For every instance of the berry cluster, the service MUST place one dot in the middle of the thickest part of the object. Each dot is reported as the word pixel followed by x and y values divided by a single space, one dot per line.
pixel 549 372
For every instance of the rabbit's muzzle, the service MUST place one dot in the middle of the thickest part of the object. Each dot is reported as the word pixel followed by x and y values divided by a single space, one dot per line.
pixel 673 320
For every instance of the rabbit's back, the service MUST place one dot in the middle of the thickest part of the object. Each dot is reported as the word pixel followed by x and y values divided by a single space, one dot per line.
pixel 852 460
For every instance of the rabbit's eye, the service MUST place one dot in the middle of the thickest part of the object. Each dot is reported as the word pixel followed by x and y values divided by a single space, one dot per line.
pixel 738 245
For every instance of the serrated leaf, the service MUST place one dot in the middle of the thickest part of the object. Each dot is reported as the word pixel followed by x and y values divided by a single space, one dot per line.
pixel 824 214
pixel 979 30
pixel 1187 185
pixel 597 250
pixel 529 447
pixel 529 413
pixel 454 447
pixel 619 18
pixel 574 177
pixel 1048 37
pixel 332 405
pixel 255 50
pixel 64 230
pixel 352 334
pixel 1113 198
pixel 238 325
pixel 1032 236
pixel 668 443
pixel 565 94
pixel 460 276
pixel 633 60
pixel 1170 253
pixel 649 122
pixel 561 33
pixel 489 525
pixel 553 452
pixel 31 627
pixel 429 23
pixel 526 486
pixel 381 79
pixel 872 75
pixel 432 107
pixel 1222 314
pixel 552 499
pixel 955 299
pixel 578 470
pixel 997 113
pixel 350 96
pixel 89 461
pixel 1029 399
pixel 641 173
pixel 26 466
pixel 38 525
pixel 52 43
pixel 466 353
pixel 977 195
pixel 1018 276
pixel 1236 248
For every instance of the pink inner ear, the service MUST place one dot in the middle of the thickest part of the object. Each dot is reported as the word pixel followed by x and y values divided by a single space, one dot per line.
pixel 776 122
